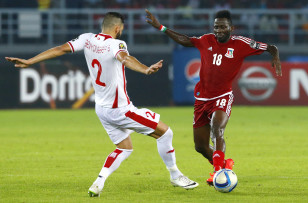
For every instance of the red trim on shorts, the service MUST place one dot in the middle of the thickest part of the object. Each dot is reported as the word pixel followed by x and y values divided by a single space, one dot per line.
pixel 112 157
pixel 115 102
pixel 73 50
pixel 203 110
pixel 141 120
pixel 123 70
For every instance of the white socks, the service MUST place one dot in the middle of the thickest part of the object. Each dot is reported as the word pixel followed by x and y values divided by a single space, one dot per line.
pixel 112 163
pixel 166 152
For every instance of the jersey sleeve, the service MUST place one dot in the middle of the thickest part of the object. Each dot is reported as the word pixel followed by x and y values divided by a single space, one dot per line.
pixel 197 41
pixel 252 47
pixel 118 46
pixel 78 44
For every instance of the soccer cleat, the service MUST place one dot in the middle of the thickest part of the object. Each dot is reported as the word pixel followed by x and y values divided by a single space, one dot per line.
pixel 95 190
pixel 229 163
pixel 184 182
pixel 210 179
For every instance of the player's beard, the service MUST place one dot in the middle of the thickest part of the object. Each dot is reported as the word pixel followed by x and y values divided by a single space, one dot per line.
pixel 118 35
pixel 224 38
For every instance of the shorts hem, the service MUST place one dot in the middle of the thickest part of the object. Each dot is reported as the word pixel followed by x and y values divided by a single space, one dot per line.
pixel 200 125
pixel 120 140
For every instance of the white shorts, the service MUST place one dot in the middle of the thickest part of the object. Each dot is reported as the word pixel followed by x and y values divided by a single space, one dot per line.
pixel 119 123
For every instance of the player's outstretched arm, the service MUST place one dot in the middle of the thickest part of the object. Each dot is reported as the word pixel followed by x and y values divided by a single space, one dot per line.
pixel 177 37
pixel 50 53
pixel 133 64
pixel 273 50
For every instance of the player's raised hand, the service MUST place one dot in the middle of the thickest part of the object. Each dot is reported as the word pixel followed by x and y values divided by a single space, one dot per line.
pixel 155 67
pixel 19 63
pixel 273 50
pixel 151 19
pixel 277 65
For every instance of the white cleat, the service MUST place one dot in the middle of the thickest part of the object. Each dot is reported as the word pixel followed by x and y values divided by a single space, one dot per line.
pixel 184 182
pixel 95 190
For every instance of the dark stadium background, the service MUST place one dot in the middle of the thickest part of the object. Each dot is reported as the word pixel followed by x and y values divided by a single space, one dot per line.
pixel 69 18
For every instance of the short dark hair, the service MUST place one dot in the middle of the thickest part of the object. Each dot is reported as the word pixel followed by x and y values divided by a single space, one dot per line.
pixel 224 14
pixel 111 18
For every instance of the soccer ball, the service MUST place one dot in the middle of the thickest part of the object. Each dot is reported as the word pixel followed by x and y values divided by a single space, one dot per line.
pixel 225 180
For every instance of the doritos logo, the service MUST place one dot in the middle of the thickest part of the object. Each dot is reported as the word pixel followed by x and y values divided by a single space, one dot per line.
pixel 122 46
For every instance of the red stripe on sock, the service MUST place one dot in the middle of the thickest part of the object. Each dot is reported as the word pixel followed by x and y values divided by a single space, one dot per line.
pixel 112 157
pixel 170 151
pixel 218 160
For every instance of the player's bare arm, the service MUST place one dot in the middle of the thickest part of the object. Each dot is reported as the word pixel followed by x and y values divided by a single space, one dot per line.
pixel 273 50
pixel 49 54
pixel 177 37
pixel 133 64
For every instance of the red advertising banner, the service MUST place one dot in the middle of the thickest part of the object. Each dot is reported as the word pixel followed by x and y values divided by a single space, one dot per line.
pixel 257 84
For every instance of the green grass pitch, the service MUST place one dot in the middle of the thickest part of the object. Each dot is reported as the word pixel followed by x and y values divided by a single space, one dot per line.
pixel 55 155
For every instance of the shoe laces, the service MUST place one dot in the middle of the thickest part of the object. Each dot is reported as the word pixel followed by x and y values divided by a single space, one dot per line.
pixel 212 174
pixel 184 179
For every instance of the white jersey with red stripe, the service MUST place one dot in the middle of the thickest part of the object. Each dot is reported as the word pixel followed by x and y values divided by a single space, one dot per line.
pixel 107 73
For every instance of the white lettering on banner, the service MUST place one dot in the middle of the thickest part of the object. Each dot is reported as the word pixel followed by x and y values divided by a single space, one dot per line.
pixel 87 86
pixel 298 77
pixel 52 92
pixel 80 78
pixel 70 86
pixel 64 79
pixel 25 76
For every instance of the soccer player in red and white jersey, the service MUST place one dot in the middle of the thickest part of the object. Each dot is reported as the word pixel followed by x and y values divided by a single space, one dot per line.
pixel 107 57
pixel 222 55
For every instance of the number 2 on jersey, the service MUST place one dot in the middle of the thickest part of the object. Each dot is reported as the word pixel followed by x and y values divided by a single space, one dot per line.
pixel 96 62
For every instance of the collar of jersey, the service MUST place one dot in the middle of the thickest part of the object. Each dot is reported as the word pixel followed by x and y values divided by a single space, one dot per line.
pixel 105 35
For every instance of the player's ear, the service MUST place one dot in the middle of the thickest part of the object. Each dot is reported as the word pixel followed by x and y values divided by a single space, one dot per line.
pixel 232 28
pixel 117 29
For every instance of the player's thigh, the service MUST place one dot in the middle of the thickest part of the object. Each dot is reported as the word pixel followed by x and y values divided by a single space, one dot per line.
pixel 143 121
pixel 201 113
pixel 221 111
pixel 116 134
pixel 160 130
pixel 126 143
pixel 111 121
pixel 219 119
pixel 202 135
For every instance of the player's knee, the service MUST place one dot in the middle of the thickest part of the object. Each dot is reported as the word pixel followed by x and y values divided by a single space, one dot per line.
pixel 126 152
pixel 168 133
pixel 217 130
pixel 161 129
pixel 166 137
pixel 200 149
